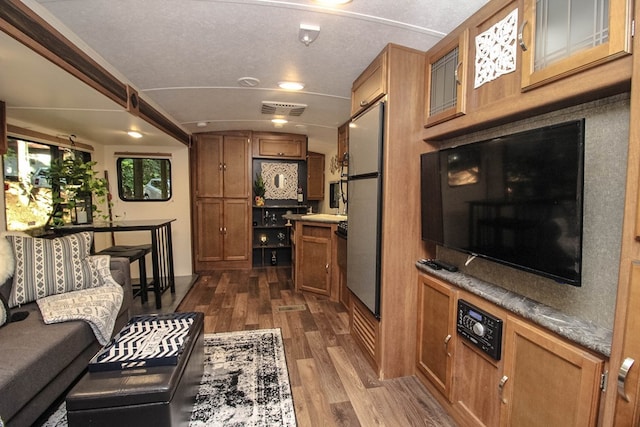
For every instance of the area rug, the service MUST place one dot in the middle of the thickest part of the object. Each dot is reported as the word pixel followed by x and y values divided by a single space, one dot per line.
pixel 245 383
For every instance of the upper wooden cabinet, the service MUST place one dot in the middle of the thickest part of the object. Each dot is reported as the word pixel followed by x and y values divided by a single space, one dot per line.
pixel 279 146
pixel 446 79
pixel 222 166
pixel 315 176
pixel 370 85
pixel 563 37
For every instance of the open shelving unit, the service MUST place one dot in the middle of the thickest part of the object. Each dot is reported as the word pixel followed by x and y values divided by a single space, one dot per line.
pixel 272 235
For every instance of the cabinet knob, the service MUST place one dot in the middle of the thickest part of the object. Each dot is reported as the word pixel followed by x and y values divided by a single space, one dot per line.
pixel 521 42
pixel 622 377
pixel 219 166
pixel 363 103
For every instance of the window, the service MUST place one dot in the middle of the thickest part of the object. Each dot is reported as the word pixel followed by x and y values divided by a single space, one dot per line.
pixel 144 179
pixel 27 191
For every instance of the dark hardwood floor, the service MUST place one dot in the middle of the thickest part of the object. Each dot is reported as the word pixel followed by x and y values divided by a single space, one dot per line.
pixel 331 381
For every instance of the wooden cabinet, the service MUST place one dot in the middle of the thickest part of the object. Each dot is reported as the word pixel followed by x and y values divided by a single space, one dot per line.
pixel 221 166
pixel 540 380
pixel 446 79
pixel 402 85
pixel 220 170
pixel 544 372
pixel 561 37
pixel 279 146
pixel 315 176
pixel 222 228
pixel 436 333
pixel 317 269
pixel 370 85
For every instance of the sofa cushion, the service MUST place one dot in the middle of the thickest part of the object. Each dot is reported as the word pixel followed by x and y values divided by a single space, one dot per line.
pixel 6 259
pixel 4 311
pixel 50 266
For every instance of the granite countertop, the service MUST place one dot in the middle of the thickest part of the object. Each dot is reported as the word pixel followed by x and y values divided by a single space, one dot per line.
pixel 315 217
pixel 582 332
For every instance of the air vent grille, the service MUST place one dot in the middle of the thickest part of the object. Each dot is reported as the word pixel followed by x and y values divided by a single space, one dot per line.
pixel 283 108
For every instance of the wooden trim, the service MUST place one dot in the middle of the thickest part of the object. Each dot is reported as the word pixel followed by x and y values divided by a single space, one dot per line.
pixel 3 128
pixel 27 27
pixel 154 117
pixel 23 24
pixel 141 155
pixel 36 136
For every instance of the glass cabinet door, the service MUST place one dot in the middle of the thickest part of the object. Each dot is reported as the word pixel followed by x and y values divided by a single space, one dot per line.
pixel 446 76
pixel 561 37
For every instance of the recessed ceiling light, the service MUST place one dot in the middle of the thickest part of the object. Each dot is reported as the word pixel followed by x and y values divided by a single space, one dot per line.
pixel 291 85
pixel 201 124
pixel 134 134
pixel 279 121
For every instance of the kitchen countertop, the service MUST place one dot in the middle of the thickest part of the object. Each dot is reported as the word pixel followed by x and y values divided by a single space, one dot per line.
pixel 315 217
pixel 582 332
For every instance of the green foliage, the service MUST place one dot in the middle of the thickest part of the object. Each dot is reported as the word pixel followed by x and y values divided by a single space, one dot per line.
pixel 258 186
pixel 70 177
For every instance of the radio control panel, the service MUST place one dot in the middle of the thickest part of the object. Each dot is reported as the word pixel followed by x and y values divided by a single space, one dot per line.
pixel 480 328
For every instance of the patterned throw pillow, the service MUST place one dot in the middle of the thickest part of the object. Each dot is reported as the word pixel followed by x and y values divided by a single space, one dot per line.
pixel 50 266
pixel 4 311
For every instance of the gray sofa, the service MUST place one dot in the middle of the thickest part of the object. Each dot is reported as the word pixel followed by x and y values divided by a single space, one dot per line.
pixel 39 362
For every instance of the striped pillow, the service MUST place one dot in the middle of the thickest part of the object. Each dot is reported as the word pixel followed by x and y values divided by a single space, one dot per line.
pixel 50 266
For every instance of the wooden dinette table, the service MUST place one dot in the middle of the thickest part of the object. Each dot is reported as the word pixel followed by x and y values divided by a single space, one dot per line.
pixel 161 246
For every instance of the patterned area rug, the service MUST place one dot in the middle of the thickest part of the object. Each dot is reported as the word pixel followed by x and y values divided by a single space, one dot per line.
pixel 245 383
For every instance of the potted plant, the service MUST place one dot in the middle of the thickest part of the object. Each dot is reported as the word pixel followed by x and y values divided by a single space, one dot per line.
pixel 259 190
pixel 74 185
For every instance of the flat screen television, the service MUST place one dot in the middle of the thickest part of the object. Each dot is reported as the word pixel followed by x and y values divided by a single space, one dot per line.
pixel 515 199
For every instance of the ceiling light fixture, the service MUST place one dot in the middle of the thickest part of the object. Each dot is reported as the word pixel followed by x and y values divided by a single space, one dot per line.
pixel 291 85
pixel 308 33
pixel 134 134
pixel 279 121
pixel 201 124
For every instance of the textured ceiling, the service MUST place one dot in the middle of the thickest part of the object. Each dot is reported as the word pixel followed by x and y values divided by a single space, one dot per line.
pixel 186 56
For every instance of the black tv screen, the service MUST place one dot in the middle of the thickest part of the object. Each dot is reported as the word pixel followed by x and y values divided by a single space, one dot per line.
pixel 515 199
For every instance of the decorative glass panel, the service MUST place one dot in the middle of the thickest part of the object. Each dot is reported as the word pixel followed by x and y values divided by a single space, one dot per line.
pixel 564 27
pixel 444 93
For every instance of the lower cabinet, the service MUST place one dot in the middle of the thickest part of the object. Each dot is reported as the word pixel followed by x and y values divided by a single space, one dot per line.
pixel 540 379
pixel 223 227
pixel 436 330
pixel 316 259
pixel 547 382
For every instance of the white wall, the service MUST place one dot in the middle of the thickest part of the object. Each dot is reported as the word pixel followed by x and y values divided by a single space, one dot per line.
pixel 177 207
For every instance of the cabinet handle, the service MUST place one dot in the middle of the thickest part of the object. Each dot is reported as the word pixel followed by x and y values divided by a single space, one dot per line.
pixel 521 42
pixel 225 230
pixel 455 74
pixel 280 154
pixel 224 166
pixel 326 267
pixel 501 384
pixel 220 230
pixel 219 166
pixel 622 377
pixel 446 344
pixel 363 103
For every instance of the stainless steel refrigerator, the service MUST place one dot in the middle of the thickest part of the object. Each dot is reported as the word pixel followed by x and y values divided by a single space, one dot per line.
pixel 364 190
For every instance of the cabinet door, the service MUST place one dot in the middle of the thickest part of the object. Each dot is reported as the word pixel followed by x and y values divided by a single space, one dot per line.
pixel 315 260
pixel 315 176
pixel 436 331
pixel 280 146
pixel 446 80
pixel 209 165
pixel 548 381
pixel 210 230
pixel 235 229
pixel 236 166
pixel 562 37
pixel 370 85
pixel 343 143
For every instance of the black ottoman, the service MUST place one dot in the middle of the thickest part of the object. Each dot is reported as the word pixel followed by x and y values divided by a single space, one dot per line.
pixel 152 396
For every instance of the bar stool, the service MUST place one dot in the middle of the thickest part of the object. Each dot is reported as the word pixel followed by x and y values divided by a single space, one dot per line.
pixel 133 253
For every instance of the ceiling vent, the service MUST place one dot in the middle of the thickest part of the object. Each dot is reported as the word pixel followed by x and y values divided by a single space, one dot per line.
pixel 283 108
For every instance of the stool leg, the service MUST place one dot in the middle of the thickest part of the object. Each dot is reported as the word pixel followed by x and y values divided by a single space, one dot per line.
pixel 143 279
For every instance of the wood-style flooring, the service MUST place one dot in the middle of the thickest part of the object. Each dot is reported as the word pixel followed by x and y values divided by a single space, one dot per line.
pixel 331 381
